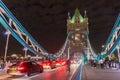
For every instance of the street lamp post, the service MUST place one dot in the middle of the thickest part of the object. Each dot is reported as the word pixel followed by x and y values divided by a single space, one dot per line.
pixel 68 53
pixel 68 50
pixel 6 47
pixel 25 49
pixel 118 51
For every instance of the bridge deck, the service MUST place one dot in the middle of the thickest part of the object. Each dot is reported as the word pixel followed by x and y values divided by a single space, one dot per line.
pixel 90 73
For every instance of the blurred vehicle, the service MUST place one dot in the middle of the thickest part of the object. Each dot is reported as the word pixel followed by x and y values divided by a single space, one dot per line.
pixel 63 62
pixel 73 61
pixel 48 64
pixel 39 62
pixel 25 68
pixel 60 62
pixel 13 66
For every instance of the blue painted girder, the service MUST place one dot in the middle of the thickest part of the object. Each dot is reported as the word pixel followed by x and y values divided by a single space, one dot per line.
pixel 117 23
pixel 113 48
pixel 117 42
pixel 16 36
pixel 21 28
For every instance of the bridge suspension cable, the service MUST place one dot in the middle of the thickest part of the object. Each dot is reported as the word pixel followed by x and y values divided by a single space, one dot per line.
pixel 61 51
pixel 90 48
pixel 112 41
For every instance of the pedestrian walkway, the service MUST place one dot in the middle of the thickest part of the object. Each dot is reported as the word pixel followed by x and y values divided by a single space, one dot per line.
pixel 90 73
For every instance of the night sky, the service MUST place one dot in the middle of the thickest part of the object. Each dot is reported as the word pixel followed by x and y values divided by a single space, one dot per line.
pixel 45 20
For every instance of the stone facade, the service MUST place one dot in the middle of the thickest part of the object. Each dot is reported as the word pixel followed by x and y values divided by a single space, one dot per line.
pixel 78 28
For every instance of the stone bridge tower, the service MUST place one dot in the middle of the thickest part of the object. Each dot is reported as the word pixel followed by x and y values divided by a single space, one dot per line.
pixel 78 28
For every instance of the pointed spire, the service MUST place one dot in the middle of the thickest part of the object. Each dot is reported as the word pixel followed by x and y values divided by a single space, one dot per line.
pixel 69 15
pixel 77 14
pixel 85 14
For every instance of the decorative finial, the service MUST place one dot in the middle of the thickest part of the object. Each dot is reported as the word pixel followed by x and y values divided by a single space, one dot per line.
pixel 69 15
pixel 85 15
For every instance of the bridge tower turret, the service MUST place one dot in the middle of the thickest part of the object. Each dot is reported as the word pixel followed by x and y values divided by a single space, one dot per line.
pixel 78 28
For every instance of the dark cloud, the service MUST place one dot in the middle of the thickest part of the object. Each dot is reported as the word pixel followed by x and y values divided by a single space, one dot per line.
pixel 45 20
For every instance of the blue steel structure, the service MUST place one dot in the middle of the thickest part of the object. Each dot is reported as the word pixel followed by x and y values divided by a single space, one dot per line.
pixel 10 23
pixel 113 40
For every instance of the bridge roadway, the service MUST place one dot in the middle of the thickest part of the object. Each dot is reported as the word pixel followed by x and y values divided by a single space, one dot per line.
pixel 90 73
pixel 49 74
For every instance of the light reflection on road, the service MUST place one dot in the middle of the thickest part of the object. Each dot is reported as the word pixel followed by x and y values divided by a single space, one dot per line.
pixel 52 74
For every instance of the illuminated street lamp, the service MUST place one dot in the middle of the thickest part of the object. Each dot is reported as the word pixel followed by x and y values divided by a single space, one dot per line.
pixel 103 46
pixel 6 47
pixel 25 49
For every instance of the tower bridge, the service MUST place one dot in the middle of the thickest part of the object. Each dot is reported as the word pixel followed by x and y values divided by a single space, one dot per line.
pixel 77 40
pixel 77 44
pixel 78 28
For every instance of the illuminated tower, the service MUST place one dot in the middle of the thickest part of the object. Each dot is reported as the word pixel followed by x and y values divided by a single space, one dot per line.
pixel 78 28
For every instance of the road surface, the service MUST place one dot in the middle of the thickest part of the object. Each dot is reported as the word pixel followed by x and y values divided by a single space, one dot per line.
pixel 59 73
